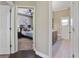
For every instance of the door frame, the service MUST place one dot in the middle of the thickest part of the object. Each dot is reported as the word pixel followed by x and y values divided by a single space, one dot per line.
pixel 50 28
pixel 75 29
pixel 74 51
pixel 34 35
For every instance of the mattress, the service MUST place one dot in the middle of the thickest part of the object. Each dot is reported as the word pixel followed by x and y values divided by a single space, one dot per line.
pixel 27 33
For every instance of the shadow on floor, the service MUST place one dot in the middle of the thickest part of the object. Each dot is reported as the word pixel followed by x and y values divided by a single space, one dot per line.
pixel 24 54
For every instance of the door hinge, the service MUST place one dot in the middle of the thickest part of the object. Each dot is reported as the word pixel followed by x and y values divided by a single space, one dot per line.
pixel 10 45
pixel 10 10
pixel 69 32
pixel 73 55
pixel 10 28
pixel 73 29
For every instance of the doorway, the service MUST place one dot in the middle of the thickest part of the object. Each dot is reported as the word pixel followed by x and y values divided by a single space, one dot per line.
pixel 64 27
pixel 24 20
pixel 61 29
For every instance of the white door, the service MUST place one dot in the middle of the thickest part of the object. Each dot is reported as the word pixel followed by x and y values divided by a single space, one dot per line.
pixel 4 29
pixel 64 27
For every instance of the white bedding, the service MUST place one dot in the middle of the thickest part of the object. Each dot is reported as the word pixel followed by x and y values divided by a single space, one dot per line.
pixel 27 33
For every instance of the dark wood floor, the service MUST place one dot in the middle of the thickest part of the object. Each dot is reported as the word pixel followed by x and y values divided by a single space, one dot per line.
pixel 24 54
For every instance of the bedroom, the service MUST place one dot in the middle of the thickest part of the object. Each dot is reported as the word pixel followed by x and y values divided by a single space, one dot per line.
pixel 25 28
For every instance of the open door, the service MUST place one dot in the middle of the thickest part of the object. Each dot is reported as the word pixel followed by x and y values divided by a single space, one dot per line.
pixel 4 29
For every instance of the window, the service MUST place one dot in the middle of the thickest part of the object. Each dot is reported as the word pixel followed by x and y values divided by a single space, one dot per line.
pixel 64 21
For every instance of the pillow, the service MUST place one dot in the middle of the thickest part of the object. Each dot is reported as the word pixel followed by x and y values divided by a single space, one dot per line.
pixel 25 29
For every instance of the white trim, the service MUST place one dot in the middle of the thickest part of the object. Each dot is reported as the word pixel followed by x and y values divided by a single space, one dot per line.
pixel 12 52
pixel 33 26
pixel 41 54
pixel 72 44
pixel 16 37
pixel 50 29
pixel 75 37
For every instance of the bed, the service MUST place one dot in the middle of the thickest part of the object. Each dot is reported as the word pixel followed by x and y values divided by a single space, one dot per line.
pixel 28 34
pixel 25 32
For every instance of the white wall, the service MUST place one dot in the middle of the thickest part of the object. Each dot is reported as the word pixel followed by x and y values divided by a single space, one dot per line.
pixel 25 3
pixel 42 28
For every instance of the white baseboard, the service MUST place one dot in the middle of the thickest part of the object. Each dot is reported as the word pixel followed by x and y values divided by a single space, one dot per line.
pixel 4 53
pixel 12 52
pixel 41 54
pixel 7 53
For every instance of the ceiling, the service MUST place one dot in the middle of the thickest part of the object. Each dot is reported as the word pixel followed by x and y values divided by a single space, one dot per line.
pixel 27 3
pixel 3 3
pixel 60 5
pixel 56 5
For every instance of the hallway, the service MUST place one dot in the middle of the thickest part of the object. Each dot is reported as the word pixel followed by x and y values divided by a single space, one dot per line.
pixel 61 49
